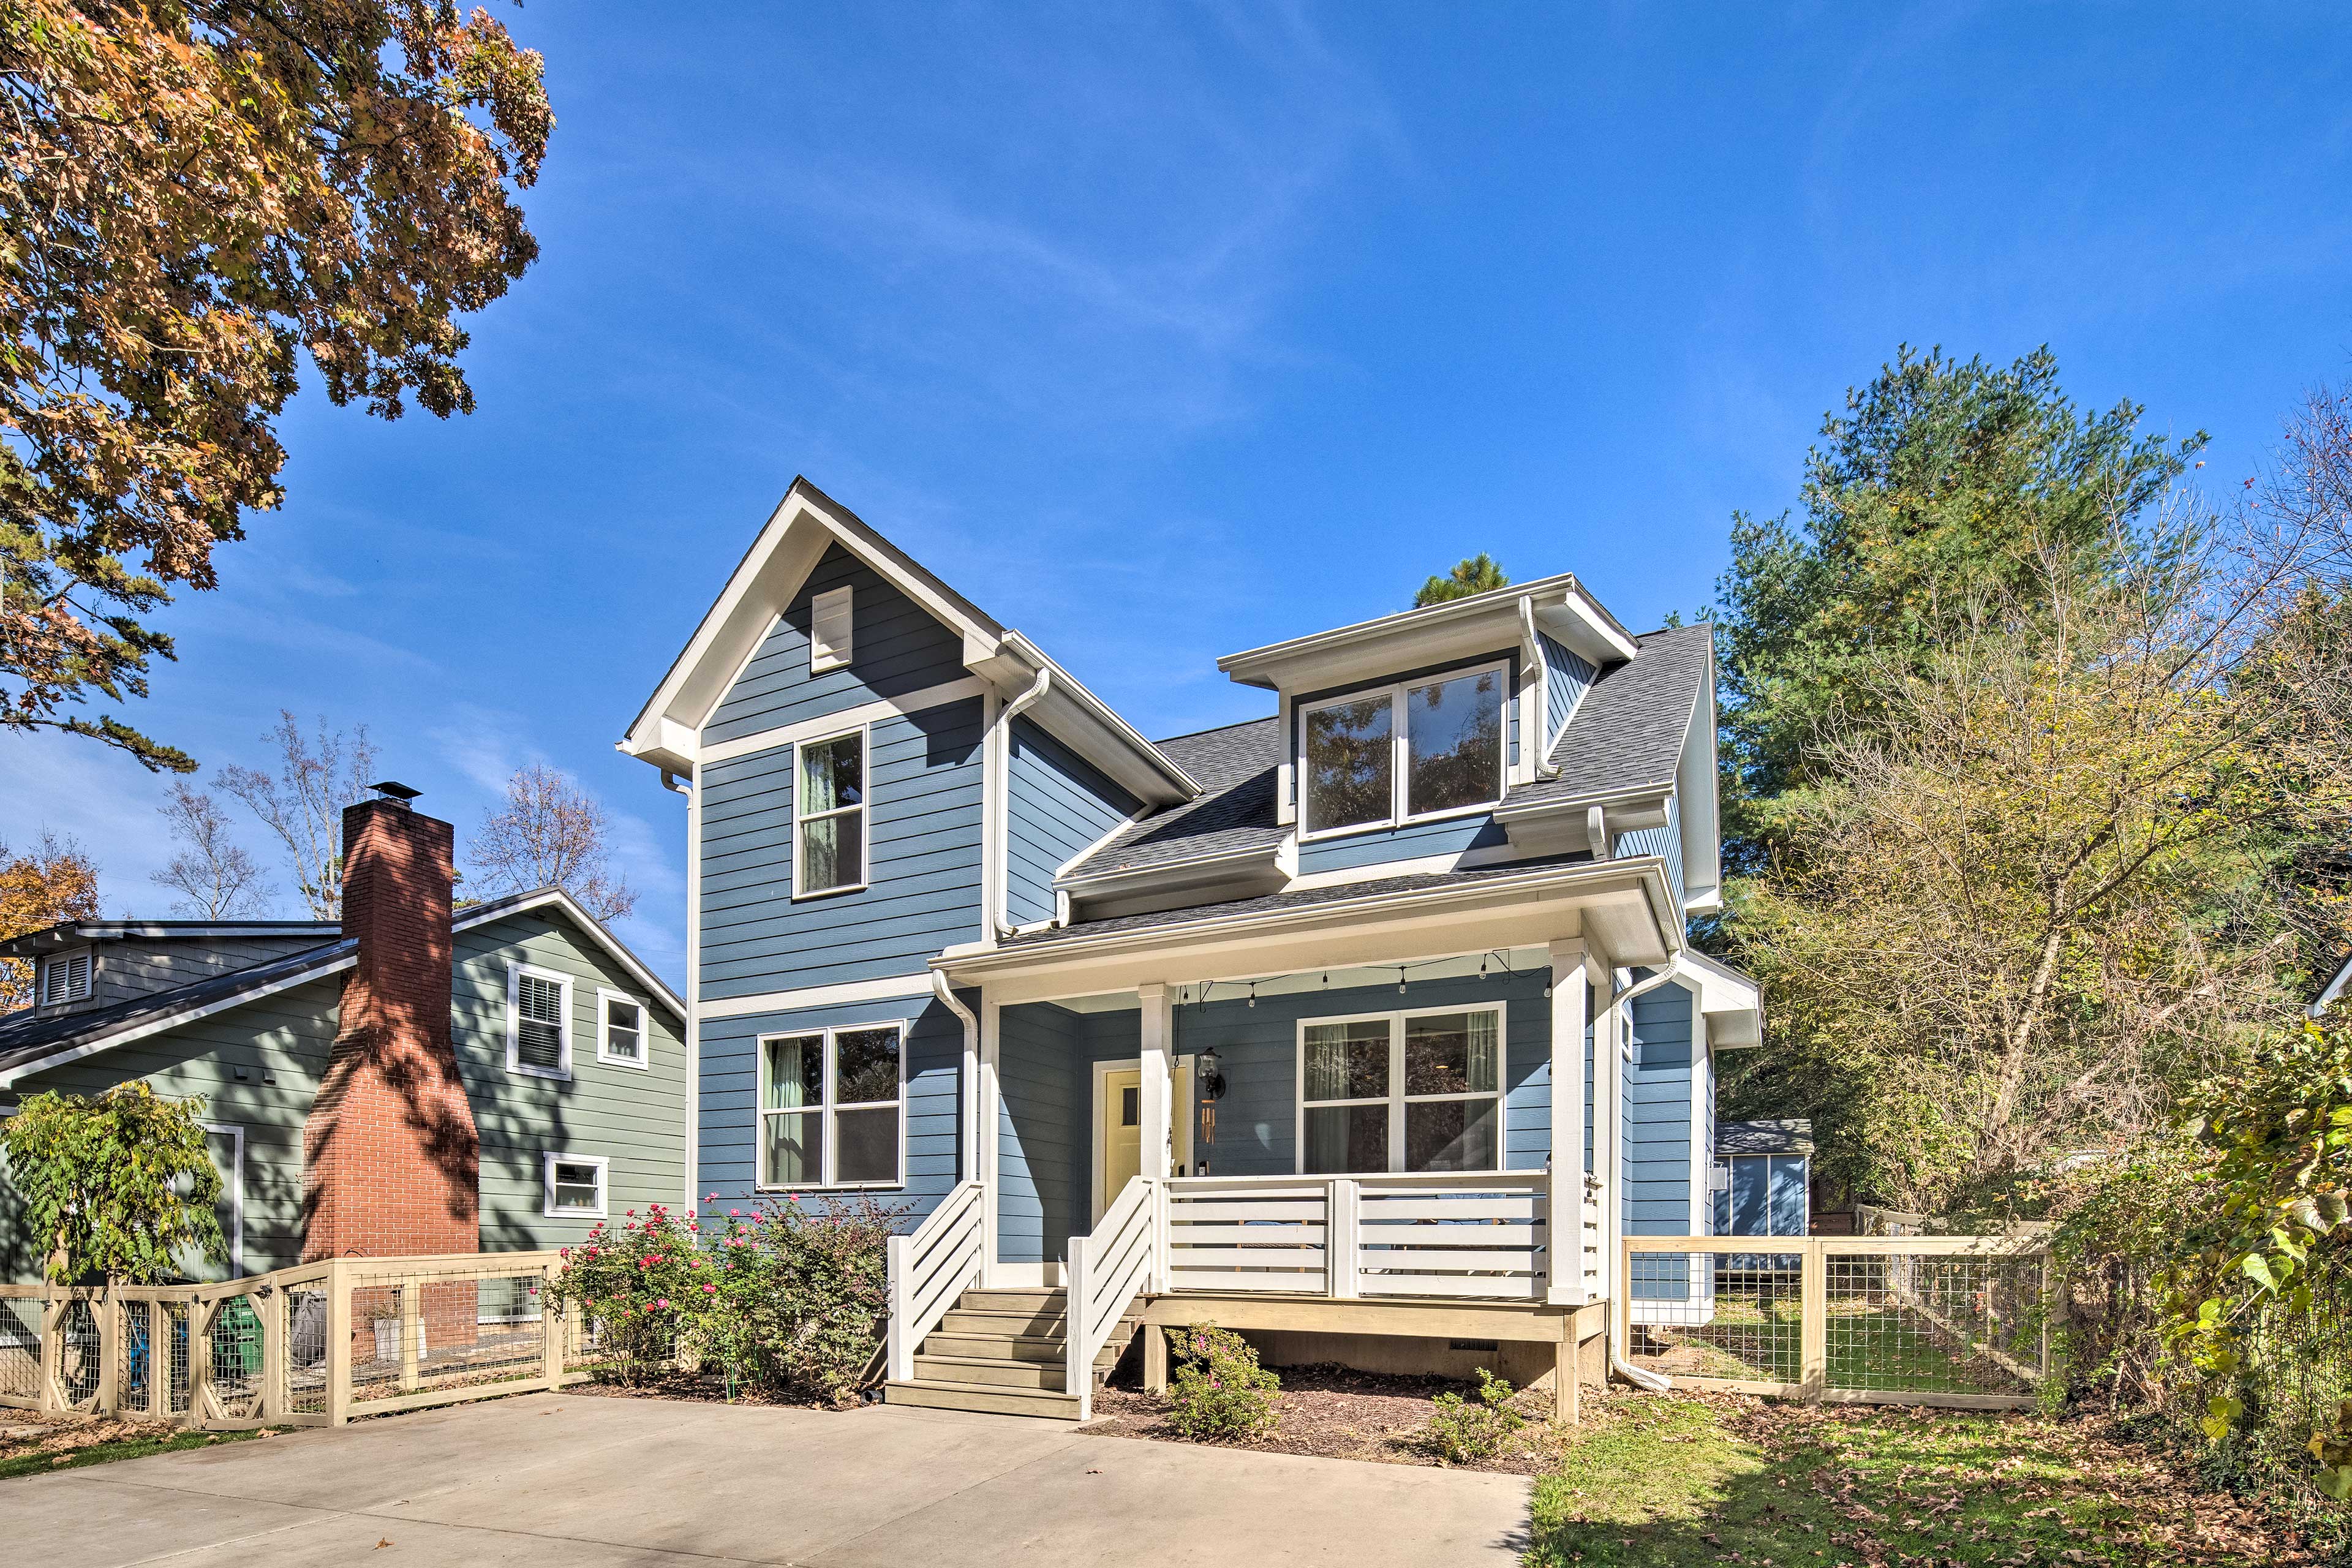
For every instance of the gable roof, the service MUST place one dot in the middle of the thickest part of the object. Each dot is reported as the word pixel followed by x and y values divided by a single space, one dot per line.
pixel 1627 733
pixel 1233 815
pixel 666 730
pixel 32 1042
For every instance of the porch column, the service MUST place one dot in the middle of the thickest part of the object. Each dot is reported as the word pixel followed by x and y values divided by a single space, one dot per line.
pixel 985 1135
pixel 1159 1044
pixel 1569 980
pixel 1608 1128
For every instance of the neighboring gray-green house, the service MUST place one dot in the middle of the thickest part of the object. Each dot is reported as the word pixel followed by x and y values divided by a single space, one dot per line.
pixel 574 1122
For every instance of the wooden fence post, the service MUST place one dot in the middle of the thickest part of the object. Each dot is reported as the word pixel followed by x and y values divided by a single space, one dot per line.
pixel 339 1342
pixel 271 1304
pixel 53 1348
pixel 200 1359
pixel 551 1328
pixel 411 1320
pixel 109 1352
pixel 159 1361
pixel 1813 1305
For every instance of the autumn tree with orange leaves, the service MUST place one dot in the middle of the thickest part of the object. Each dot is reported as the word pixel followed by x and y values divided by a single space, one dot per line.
pixel 195 196
pixel 49 881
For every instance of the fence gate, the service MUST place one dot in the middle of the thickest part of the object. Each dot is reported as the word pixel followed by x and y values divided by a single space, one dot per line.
pixel 1953 1320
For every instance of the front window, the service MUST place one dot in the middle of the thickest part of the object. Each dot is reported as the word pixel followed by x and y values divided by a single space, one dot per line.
pixel 832 1108
pixel 829 813
pixel 538 1022
pixel 1417 749
pixel 1404 1092
pixel 621 1030
pixel 575 1186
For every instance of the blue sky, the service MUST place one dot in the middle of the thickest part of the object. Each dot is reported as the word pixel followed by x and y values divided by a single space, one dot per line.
pixel 1162 333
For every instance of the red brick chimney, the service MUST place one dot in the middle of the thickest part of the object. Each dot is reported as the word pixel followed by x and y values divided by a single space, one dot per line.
pixel 391 1159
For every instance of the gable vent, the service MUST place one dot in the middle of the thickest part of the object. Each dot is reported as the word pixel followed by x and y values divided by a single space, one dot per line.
pixel 829 631
pixel 65 977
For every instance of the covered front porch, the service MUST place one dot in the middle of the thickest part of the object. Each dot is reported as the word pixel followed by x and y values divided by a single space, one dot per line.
pixel 1337 1122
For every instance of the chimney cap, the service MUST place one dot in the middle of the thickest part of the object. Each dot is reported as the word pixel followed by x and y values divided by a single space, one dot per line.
pixel 394 791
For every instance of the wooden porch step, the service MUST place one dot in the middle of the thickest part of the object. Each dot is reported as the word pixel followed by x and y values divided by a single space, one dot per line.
pixel 1011 1300
pixel 992 1399
pixel 1027 1323
pixel 1023 1347
pixel 992 1370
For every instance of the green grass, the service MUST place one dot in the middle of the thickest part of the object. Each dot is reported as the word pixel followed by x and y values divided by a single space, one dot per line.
pixel 1673 1479
pixel 1874 1347
pixel 38 1464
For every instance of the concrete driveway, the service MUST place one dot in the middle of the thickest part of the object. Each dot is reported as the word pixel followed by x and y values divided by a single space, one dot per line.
pixel 588 1482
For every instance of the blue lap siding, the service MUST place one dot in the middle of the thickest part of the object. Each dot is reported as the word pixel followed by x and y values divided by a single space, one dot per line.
pixel 1453 835
pixel 1567 677
pixel 730 1085
pixel 923 884
pixel 896 648
pixel 1657 1160
pixel 1058 805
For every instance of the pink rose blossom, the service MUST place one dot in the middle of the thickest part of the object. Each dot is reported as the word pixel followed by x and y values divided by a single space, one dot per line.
pixel 662 1303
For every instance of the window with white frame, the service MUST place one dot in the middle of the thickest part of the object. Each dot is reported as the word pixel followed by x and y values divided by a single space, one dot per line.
pixel 621 1030
pixel 575 1186
pixel 1402 1091
pixel 829 815
pixel 833 1107
pixel 538 1022
pixel 1416 749
pixel 829 623
pixel 65 977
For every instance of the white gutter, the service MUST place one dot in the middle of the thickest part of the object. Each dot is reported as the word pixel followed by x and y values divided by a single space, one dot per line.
pixel 1539 749
pixel 970 1139
pixel 1000 897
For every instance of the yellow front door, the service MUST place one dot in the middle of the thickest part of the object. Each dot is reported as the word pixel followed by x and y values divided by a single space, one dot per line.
pixel 1118 1130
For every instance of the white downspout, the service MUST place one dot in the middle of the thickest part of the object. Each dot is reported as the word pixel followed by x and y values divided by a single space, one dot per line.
pixel 970 1077
pixel 1001 896
pixel 1641 1377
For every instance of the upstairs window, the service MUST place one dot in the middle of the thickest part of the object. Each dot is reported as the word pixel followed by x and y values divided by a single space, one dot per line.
pixel 833 1107
pixel 620 1030
pixel 1401 1091
pixel 538 1022
pixel 1418 749
pixel 829 631
pixel 65 976
pixel 829 817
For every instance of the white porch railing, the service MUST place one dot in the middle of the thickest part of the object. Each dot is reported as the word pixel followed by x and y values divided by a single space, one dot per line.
pixel 928 1269
pixel 1107 1271
pixel 1481 1234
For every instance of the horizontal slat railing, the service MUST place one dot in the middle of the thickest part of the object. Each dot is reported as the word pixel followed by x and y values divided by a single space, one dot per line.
pixel 1246 1233
pixel 930 1269
pixel 1106 1270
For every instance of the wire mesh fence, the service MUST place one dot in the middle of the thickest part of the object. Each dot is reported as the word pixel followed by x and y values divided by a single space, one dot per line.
pixel 236 1351
pixel 1945 1319
pixel 20 1347
pixel 79 1351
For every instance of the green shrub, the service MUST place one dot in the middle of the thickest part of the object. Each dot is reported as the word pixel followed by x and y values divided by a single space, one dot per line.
pixel 1220 1393
pixel 117 1187
pixel 1462 1432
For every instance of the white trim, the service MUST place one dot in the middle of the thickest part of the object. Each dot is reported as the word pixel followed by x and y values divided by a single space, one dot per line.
pixel 1559 602
pixel 515 972
pixel 1419 865
pixel 693 1021
pixel 863 808
pixel 1400 813
pixel 826 1111
pixel 644 1060
pixel 156 1025
pixel 500 909
pixel 236 1198
pixel 962 688
pixel 48 961
pixel 888 989
pixel 1180 1094
pixel 840 604
pixel 1397 1099
pixel 604 1166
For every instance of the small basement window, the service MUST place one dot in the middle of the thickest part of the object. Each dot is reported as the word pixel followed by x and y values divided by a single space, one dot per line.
pixel 65 976
pixel 620 1030
pixel 575 1186
pixel 538 1022
pixel 829 631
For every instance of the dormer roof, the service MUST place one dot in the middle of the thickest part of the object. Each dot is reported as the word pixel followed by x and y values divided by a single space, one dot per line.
pixel 806 522
pixel 1458 629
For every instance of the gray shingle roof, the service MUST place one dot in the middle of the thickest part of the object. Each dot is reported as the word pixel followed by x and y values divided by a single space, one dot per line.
pixel 28 1037
pixel 1301 899
pixel 1235 767
pixel 1628 732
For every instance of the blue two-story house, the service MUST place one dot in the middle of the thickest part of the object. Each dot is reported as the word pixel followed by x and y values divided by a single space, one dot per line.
pixel 1289 1024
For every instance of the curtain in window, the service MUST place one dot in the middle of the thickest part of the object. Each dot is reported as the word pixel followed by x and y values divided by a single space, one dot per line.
pixel 1486 1052
pixel 1327 1062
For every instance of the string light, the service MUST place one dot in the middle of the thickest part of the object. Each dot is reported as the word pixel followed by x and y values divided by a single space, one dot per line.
pixel 1400 980
pixel 1252 994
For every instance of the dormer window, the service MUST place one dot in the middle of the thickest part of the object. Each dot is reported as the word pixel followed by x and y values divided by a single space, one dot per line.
pixel 65 976
pixel 1403 752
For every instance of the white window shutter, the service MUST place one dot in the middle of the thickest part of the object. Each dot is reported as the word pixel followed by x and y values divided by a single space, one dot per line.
pixel 829 631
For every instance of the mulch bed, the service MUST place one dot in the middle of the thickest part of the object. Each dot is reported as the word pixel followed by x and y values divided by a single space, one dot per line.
pixel 1334 1412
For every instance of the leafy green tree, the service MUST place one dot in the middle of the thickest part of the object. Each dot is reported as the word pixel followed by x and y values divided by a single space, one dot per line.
pixel 1942 482
pixel 119 1187
pixel 1477 575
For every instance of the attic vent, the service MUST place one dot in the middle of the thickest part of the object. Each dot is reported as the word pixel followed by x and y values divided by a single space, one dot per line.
pixel 65 977
pixel 829 631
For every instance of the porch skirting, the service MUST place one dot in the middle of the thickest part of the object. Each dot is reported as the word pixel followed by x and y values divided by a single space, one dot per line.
pixel 1566 1344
